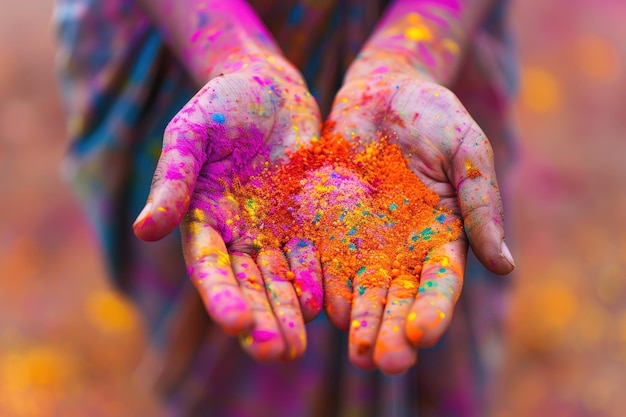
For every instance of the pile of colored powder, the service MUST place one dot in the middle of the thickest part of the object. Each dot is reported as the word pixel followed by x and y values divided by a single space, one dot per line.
pixel 366 212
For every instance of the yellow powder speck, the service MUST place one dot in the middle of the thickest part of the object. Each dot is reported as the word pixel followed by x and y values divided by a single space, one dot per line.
pixel 247 340
pixel 418 33
pixel 413 18
pixel 451 46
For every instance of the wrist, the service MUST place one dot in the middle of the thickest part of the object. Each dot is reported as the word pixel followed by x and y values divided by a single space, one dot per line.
pixel 374 61
pixel 243 52
pixel 266 65
pixel 229 48
pixel 426 35
pixel 207 35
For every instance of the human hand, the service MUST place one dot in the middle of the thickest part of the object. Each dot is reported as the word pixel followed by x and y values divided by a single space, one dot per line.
pixel 450 154
pixel 230 128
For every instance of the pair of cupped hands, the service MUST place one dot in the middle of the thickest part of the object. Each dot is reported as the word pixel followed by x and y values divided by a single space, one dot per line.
pixel 259 112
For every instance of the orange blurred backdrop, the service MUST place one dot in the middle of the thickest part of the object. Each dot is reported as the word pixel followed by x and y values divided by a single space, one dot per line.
pixel 69 344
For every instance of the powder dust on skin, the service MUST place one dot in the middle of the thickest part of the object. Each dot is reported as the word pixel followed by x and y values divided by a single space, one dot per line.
pixel 371 219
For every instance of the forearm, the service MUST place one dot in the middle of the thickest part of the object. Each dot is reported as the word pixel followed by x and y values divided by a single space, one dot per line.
pixel 426 37
pixel 211 37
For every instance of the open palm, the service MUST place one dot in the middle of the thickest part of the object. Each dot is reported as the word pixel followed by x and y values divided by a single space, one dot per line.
pixel 451 155
pixel 228 130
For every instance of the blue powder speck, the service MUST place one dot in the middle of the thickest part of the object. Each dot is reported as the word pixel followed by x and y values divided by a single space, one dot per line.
pixel 219 118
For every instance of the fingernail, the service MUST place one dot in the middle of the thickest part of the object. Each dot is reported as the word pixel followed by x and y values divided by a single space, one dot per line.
pixel 144 214
pixel 507 254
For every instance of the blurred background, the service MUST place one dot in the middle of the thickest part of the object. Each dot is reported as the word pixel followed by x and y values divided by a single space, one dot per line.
pixel 68 343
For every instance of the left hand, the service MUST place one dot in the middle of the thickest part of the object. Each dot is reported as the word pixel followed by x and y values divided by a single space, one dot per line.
pixel 451 155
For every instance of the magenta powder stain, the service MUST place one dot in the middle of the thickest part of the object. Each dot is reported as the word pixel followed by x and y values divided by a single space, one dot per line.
pixel 262 335
pixel 174 173
pixel 258 80
pixel 310 285
pixel 453 5
pixel 234 66
pixel 227 156
pixel 195 36
pixel 426 55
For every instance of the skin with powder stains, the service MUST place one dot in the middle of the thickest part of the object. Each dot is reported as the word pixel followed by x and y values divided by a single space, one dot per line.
pixel 395 86
pixel 252 106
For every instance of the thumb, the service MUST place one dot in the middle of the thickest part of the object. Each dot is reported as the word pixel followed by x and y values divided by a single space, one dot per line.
pixel 474 176
pixel 184 144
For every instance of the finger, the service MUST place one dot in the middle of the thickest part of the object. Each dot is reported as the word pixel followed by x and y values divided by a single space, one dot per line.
pixel 210 270
pixel 184 142
pixel 282 297
pixel 264 341
pixel 370 292
pixel 479 198
pixel 440 286
pixel 393 353
pixel 337 293
pixel 307 276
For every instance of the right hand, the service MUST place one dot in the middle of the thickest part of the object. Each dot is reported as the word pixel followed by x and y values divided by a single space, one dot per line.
pixel 229 129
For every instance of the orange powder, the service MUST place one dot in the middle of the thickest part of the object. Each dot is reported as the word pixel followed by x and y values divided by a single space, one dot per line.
pixel 366 212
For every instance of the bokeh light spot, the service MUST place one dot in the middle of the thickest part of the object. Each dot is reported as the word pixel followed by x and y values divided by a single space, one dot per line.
pixel 32 380
pixel 549 316
pixel 109 313
pixel 597 58
pixel 541 91
pixel 557 303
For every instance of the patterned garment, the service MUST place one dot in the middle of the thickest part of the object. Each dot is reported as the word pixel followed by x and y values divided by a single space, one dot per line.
pixel 122 86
